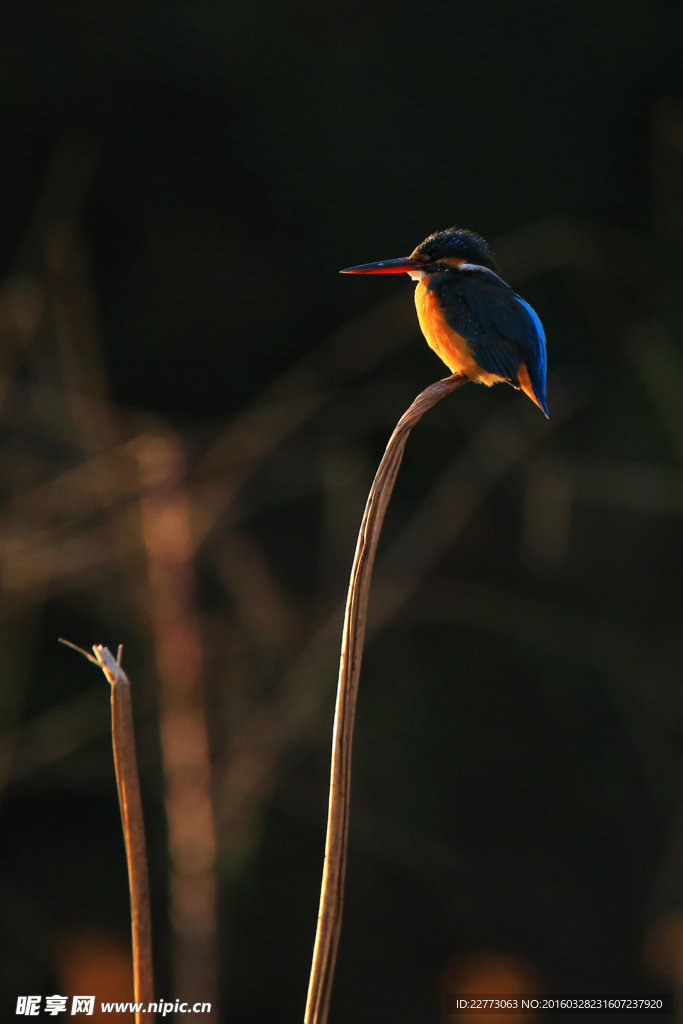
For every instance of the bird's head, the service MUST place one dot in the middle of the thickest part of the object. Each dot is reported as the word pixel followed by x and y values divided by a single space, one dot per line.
pixel 442 251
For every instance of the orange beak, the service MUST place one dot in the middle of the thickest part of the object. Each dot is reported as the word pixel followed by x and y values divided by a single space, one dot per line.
pixel 403 265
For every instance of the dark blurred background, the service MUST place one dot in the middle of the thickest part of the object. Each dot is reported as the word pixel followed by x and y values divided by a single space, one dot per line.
pixel 193 404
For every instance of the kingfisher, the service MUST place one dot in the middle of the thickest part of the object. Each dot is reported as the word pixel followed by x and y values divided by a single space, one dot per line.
pixel 470 316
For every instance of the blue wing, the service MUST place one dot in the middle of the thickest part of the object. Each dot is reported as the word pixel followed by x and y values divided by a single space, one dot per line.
pixel 502 329
pixel 537 362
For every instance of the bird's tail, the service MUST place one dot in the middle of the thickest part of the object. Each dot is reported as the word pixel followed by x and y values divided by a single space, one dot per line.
pixel 528 389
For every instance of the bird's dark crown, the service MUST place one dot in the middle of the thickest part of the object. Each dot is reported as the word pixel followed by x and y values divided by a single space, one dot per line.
pixel 457 243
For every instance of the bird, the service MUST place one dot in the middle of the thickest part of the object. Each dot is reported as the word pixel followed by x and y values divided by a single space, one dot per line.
pixel 471 318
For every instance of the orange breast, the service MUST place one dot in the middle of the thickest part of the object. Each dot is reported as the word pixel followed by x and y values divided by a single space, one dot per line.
pixel 448 345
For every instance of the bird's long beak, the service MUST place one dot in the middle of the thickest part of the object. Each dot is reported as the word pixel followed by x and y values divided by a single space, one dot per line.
pixel 403 265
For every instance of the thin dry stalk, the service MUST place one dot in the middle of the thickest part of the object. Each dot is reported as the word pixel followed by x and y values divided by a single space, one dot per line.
pixel 355 619
pixel 128 785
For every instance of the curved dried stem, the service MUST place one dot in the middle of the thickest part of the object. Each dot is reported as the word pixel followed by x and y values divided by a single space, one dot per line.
pixel 336 842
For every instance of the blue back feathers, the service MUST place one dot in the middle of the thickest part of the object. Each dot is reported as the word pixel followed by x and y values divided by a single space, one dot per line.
pixel 502 329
